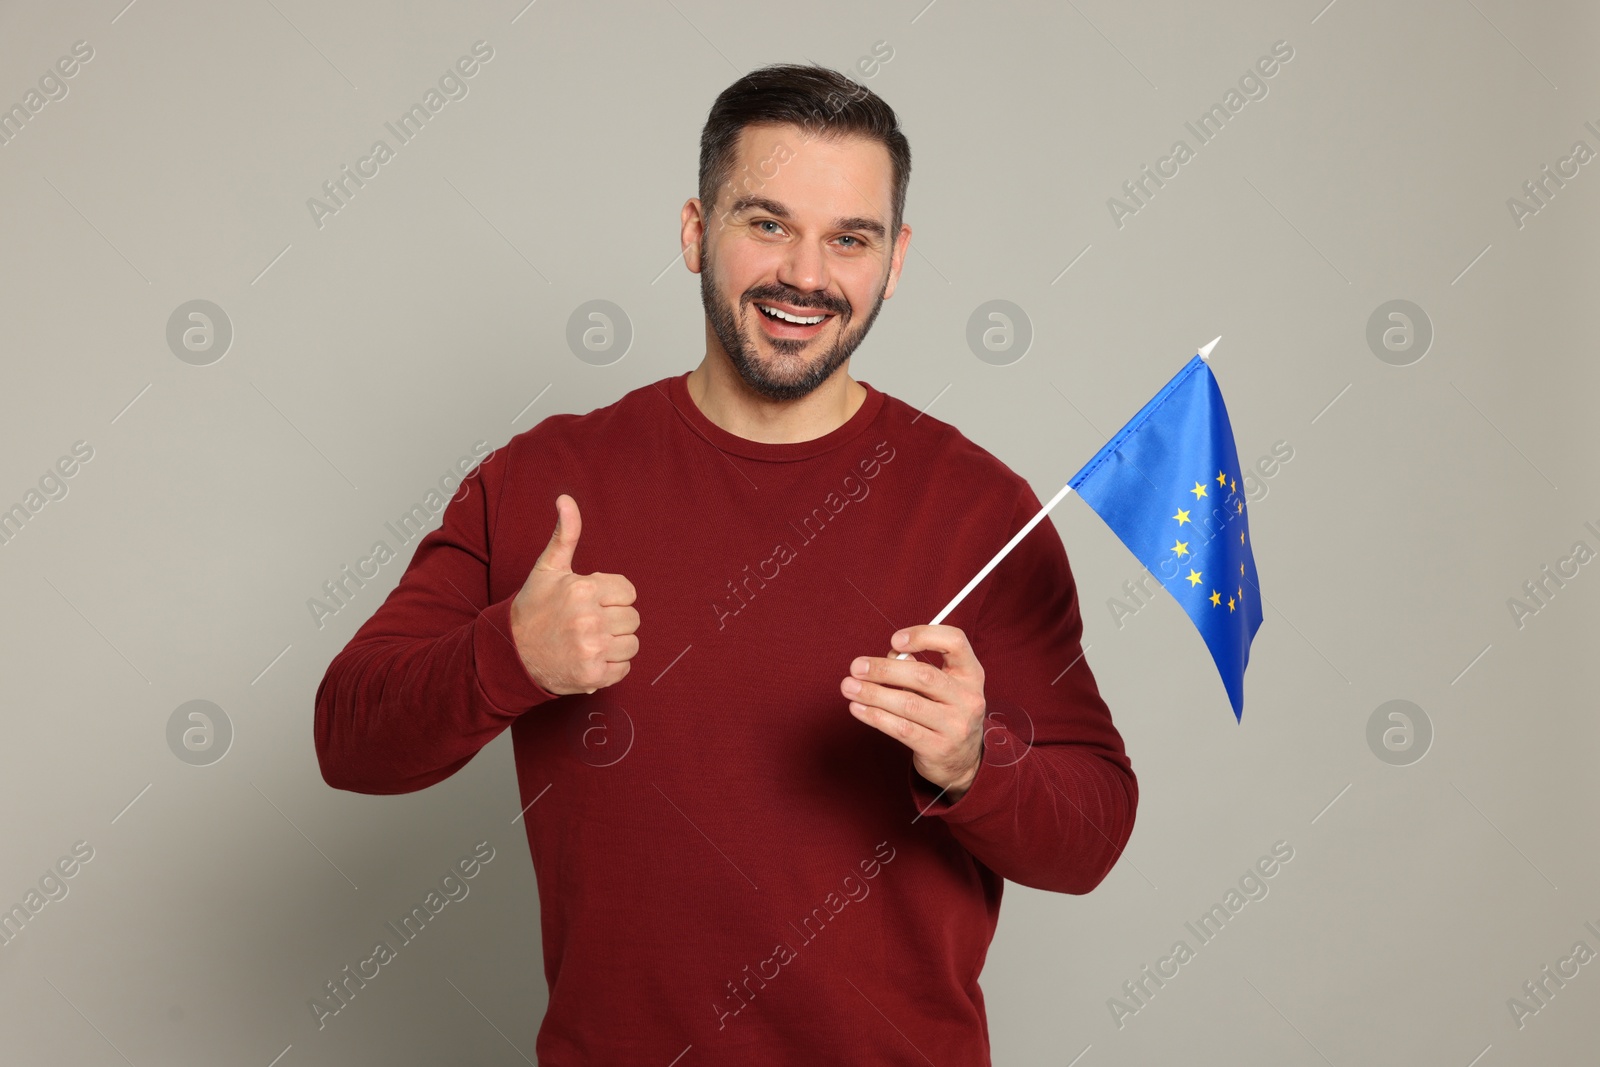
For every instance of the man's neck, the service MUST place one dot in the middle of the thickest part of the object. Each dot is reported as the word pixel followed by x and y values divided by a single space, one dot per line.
pixel 724 398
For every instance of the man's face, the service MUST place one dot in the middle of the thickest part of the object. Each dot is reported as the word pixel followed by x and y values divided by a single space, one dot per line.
pixel 800 233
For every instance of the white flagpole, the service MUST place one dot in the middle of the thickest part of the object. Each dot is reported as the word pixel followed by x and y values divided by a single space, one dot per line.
pixel 1204 353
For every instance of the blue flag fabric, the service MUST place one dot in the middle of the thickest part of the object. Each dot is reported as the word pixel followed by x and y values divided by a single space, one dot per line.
pixel 1168 485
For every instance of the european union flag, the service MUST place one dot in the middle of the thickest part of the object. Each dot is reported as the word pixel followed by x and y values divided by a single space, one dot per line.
pixel 1168 485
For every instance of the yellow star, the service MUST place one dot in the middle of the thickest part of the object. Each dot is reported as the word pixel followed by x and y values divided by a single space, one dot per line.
pixel 1222 479
pixel 1198 490
pixel 1230 604
pixel 1182 516
pixel 1180 547
pixel 1241 537
pixel 1241 594
pixel 1194 576
pixel 1233 486
pixel 1216 598
pixel 1239 505
pixel 1241 568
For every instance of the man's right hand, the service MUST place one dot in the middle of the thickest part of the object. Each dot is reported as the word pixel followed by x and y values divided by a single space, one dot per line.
pixel 575 632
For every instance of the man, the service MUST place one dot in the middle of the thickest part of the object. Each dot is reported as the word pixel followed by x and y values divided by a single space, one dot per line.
pixel 774 841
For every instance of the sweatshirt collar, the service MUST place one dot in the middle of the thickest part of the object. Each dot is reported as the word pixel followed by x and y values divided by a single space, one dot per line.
pixel 678 393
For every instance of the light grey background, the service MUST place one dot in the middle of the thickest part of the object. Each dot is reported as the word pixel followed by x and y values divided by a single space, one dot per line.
pixel 370 353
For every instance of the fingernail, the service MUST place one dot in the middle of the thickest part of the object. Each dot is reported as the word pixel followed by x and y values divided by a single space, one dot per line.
pixel 859 666
pixel 851 687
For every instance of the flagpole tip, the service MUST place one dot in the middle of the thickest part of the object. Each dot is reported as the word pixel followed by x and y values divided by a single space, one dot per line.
pixel 1205 353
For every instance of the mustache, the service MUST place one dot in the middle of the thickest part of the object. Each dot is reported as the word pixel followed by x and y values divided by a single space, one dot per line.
pixel 813 301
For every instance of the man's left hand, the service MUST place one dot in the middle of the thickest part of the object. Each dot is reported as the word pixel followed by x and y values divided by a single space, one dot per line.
pixel 936 712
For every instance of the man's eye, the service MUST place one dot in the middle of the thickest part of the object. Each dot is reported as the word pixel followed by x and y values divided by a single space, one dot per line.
pixel 849 237
pixel 768 222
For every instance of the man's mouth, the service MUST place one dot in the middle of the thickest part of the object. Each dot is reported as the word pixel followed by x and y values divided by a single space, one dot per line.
pixel 791 323
pixel 788 316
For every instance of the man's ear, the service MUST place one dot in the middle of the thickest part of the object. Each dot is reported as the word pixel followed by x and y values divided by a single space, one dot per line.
pixel 897 259
pixel 692 233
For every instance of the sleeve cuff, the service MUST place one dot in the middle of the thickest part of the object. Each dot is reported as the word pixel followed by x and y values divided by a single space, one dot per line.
pixel 501 675
pixel 987 789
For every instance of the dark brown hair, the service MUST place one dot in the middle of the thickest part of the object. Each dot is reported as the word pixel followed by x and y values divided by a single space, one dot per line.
pixel 822 102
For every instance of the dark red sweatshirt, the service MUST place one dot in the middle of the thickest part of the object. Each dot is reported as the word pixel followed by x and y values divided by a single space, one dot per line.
pixel 732 868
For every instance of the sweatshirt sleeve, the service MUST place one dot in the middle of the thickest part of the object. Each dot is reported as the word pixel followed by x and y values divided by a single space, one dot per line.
pixel 433 675
pixel 1053 802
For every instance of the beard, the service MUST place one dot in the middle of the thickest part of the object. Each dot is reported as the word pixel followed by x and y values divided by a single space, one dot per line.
pixel 787 375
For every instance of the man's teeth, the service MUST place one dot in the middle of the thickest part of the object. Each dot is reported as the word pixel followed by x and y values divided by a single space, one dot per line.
pixel 784 316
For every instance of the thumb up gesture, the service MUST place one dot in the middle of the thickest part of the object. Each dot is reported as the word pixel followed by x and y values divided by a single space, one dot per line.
pixel 575 632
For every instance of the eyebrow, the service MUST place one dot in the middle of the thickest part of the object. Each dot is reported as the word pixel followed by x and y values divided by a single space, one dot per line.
pixel 772 207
